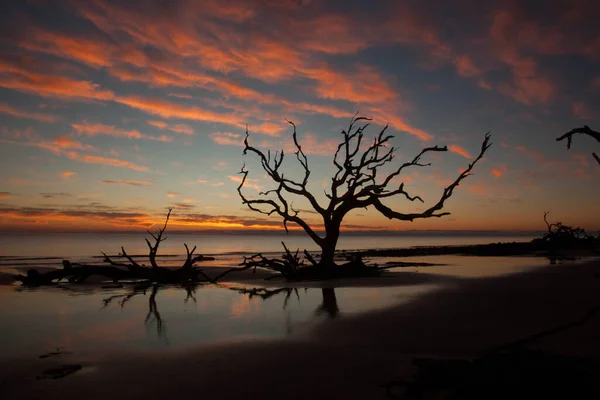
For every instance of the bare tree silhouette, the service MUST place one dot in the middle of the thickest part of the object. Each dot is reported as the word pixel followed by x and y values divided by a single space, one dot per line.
pixel 356 184
pixel 187 273
pixel 584 131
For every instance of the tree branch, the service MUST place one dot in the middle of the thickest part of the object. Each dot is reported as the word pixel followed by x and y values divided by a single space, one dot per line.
pixel 585 130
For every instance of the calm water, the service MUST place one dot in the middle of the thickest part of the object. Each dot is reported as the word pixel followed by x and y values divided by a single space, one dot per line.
pixel 30 250
pixel 90 319
pixel 35 322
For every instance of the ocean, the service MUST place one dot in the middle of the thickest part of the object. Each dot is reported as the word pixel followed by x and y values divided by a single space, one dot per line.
pixel 87 319
pixel 30 250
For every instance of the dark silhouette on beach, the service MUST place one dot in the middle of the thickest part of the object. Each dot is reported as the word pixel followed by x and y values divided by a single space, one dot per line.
pixel 356 184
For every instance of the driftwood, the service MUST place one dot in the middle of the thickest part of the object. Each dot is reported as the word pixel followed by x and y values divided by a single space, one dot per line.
pixel 293 267
pixel 132 271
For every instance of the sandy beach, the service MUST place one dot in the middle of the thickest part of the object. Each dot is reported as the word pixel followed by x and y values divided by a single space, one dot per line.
pixel 351 358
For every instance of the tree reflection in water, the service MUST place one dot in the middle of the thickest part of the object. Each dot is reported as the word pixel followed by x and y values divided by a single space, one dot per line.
pixel 153 316
pixel 328 306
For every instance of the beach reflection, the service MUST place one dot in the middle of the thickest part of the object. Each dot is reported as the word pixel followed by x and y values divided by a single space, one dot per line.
pixel 91 319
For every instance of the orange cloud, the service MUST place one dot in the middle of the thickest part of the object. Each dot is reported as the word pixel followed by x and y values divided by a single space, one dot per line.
pixel 250 183
pixel 113 162
pixel 182 128
pixel 465 67
pixel 227 138
pixel 527 86
pixel 10 110
pixel 21 78
pixel 129 182
pixel 268 128
pixel 311 144
pixel 181 95
pixel 168 109
pixel 109 130
pixel 500 171
pixel 459 150
pixel 91 52
pixel 66 143
pixel 158 124
pixel 395 121
pixel 5 195
pixel 68 174
pixel 172 195
pixel 366 85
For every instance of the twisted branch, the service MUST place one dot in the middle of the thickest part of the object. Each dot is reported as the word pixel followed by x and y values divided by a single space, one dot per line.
pixel 584 131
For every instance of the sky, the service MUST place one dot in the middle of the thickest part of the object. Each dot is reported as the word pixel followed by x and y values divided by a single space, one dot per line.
pixel 113 111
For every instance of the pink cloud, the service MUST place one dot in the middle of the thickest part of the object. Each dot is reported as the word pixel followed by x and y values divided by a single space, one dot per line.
pixel 113 162
pixel 68 174
pixel 10 110
pixel 581 110
pixel 168 110
pixel 500 171
pixel 459 150
pixel 227 138
pixel 22 77
pixel 88 129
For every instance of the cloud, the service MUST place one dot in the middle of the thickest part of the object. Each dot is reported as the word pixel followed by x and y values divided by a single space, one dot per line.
pixel 384 115
pixel 5 195
pixel 181 95
pixel 268 128
pixel 178 128
pixel 183 206
pixel 211 183
pixel 66 143
pixel 129 182
pixel 227 138
pixel 68 174
pixel 311 144
pixel 113 162
pixel 366 85
pixel 21 76
pixel 581 110
pixel 168 109
pixel 172 195
pixel 459 150
pixel 181 128
pixel 84 214
pixel 55 195
pixel 596 83
pixel 477 189
pixel 10 110
pixel 250 183
pixel 100 129
pixel 500 170
pixel 64 146
pixel 158 124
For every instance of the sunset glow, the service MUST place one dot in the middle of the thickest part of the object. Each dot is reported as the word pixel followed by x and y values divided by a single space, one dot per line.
pixel 113 111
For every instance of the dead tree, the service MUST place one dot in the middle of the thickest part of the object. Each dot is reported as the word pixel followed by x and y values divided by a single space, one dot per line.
pixel 131 270
pixel 355 184
pixel 584 131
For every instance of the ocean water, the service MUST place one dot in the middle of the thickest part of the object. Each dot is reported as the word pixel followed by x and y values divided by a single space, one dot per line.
pixel 90 319
pixel 48 250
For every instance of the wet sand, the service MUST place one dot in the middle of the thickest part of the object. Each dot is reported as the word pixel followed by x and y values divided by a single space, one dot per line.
pixel 350 358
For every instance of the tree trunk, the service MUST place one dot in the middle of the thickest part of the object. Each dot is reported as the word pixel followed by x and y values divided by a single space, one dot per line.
pixel 329 305
pixel 332 234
